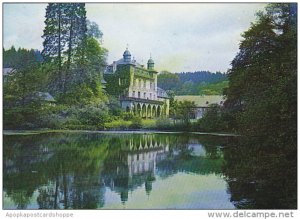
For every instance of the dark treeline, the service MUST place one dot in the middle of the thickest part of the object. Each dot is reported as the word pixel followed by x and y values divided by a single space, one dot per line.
pixel 202 76
pixel 21 57
pixel 262 92
pixel 192 83
pixel 262 106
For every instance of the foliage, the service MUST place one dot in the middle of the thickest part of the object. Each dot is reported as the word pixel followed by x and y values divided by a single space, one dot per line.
pixel 118 83
pixel 96 56
pixel 262 93
pixel 127 116
pixel 183 110
pixel 149 123
pixel 66 45
pixel 118 125
pixel 192 83
pixel 212 120
pixel 136 122
pixel 72 73
pixel 213 88
pixel 261 99
pixel 20 58
pixel 93 30
pixel 83 94
pixel 167 80
pixel 163 124
pixel 115 109
pixel 22 104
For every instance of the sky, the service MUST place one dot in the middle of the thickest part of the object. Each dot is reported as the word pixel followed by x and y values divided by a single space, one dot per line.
pixel 180 37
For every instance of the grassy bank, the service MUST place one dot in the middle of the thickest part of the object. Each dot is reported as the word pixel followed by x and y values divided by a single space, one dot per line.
pixel 162 124
pixel 129 125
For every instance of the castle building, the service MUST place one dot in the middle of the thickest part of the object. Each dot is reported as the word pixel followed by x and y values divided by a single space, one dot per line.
pixel 136 87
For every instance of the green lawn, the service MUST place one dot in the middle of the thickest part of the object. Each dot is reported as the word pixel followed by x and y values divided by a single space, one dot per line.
pixel 121 124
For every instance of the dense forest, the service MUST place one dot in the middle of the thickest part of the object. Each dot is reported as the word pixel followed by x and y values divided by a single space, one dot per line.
pixel 20 58
pixel 193 83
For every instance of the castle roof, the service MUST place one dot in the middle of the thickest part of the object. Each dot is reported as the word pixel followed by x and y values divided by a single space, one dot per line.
pixel 126 52
pixel 150 61
pixel 202 100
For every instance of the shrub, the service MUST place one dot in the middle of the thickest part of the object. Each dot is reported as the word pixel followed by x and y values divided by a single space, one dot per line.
pixel 136 122
pixel 163 123
pixel 127 116
pixel 118 125
pixel 149 123
pixel 53 121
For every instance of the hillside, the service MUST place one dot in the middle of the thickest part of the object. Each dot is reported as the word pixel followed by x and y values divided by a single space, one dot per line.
pixel 196 83
pixel 214 88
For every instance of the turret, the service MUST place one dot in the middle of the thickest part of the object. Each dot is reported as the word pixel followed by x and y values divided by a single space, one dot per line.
pixel 127 56
pixel 150 64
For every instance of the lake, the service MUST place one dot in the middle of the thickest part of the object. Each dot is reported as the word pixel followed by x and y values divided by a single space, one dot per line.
pixel 81 170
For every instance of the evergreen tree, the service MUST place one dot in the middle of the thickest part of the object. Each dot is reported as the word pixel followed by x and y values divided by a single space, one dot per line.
pixel 65 42
pixel 21 58
pixel 55 40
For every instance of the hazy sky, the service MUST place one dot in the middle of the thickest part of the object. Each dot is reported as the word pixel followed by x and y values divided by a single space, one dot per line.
pixel 180 37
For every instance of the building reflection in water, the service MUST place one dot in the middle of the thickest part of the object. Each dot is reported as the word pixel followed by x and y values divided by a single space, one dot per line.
pixel 138 156
pixel 77 171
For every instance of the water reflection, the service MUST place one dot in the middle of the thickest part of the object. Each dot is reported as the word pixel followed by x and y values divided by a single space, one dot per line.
pixel 88 171
pixel 134 164
pixel 261 174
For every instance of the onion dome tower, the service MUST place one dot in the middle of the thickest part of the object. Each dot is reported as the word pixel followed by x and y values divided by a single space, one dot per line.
pixel 150 64
pixel 127 56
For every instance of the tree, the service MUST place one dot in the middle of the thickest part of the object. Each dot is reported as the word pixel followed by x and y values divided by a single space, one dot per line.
pixel 167 80
pixel 93 30
pixel 64 40
pixel 55 38
pixel 22 104
pixel 20 58
pixel 212 119
pixel 262 92
pixel 183 110
pixel 191 82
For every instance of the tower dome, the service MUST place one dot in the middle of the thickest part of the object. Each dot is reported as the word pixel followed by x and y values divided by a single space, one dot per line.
pixel 150 61
pixel 127 55
pixel 150 64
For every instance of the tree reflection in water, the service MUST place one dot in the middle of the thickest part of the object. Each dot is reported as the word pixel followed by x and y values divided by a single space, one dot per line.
pixel 75 171
pixel 261 175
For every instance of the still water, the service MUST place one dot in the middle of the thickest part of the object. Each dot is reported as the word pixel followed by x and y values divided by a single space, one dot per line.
pixel 139 171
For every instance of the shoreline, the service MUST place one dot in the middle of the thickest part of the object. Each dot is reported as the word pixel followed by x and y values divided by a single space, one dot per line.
pixel 36 132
